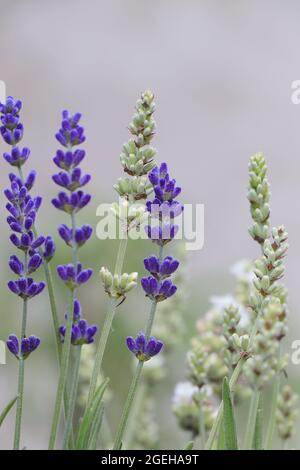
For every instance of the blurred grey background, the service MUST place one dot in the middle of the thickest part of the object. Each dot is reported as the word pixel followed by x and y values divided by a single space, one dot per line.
pixel 221 72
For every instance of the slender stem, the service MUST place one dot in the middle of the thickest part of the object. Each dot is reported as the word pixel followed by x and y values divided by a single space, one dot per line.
pixel 58 343
pixel 202 429
pixel 272 421
pixel 258 434
pixel 74 244
pixel 19 405
pixel 151 318
pixel 107 325
pixel 19 408
pixel 121 255
pixel 49 282
pixel 128 404
pixel 63 373
pixel 137 375
pixel 136 410
pixel 73 394
pixel 250 429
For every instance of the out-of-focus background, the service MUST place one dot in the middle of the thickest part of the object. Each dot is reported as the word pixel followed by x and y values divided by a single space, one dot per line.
pixel 221 72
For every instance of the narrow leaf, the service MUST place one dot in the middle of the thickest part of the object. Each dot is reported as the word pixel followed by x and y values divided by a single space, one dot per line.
pixel 89 416
pixel 221 439
pixel 96 427
pixel 7 410
pixel 230 437
pixel 258 434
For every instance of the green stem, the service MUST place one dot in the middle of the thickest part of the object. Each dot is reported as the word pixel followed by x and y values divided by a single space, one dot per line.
pixel 137 375
pixel 258 435
pixel 250 430
pixel 107 325
pixel 151 319
pixel 128 404
pixel 49 282
pixel 74 244
pixel 73 394
pixel 272 421
pixel 63 373
pixel 202 429
pixel 19 407
pixel 136 409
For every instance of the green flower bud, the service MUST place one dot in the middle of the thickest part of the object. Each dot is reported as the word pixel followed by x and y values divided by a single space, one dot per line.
pixel 258 196
pixel 106 278
pixel 137 161
pixel 136 187
pixel 118 285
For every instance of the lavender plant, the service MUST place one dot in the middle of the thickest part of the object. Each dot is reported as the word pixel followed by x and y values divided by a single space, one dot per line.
pixel 240 337
pixel 76 331
pixel 35 250
pixel 237 351
pixel 143 429
pixel 158 285
pixel 137 159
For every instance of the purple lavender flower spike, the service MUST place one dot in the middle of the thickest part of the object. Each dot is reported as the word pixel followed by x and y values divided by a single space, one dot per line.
pixel 70 133
pixel 71 201
pixel 157 286
pixel 71 204
pixel 142 348
pixel 25 287
pixel 163 206
pixel 82 333
pixel 165 189
pixel 28 345
pixel 22 207
pixel 72 277
pixel 161 269
pixel 17 157
pixel 82 235
pixel 162 236
pixel 69 159
pixel 157 290
pixel 72 181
